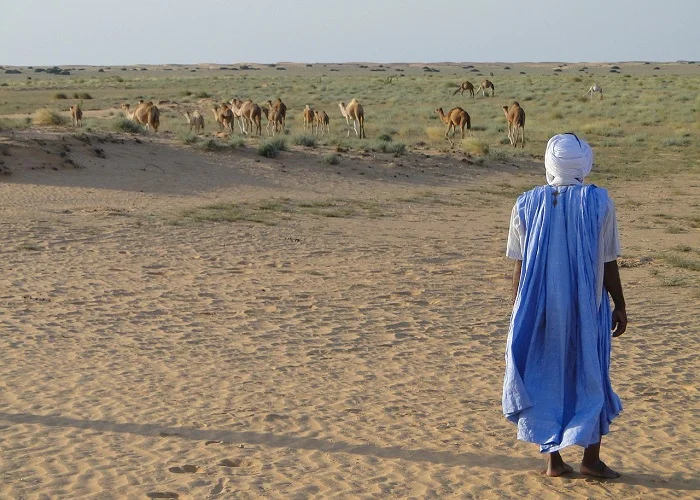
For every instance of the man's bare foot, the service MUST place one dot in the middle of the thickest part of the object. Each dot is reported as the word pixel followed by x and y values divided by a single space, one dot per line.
pixel 557 471
pixel 600 470
pixel 556 466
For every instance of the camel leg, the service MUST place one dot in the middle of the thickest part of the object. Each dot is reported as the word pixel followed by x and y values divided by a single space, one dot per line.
pixel 510 134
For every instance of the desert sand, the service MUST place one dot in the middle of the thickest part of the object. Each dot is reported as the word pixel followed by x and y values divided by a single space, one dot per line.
pixel 147 354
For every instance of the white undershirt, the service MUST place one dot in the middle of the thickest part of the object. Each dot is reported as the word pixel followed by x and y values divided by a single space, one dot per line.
pixel 608 242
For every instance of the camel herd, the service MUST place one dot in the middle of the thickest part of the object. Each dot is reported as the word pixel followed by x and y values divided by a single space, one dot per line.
pixel 249 116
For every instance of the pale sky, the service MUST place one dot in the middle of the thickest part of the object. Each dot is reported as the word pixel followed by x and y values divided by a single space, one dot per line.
pixel 96 32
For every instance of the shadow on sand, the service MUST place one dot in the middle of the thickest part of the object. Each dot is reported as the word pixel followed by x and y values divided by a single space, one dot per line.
pixel 653 482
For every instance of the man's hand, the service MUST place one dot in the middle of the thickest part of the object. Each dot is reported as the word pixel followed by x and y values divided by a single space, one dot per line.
pixel 619 322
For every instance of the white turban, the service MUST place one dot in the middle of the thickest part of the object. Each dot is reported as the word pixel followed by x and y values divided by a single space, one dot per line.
pixel 567 160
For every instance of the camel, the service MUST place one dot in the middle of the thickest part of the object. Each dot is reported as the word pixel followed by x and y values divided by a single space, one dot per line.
pixel 456 117
pixel 516 122
pixel 274 118
pixel 77 115
pixel 146 113
pixel 237 109
pixel 465 86
pixel 281 110
pixel 308 115
pixel 594 88
pixel 355 111
pixel 486 84
pixel 248 113
pixel 322 122
pixel 223 116
pixel 196 120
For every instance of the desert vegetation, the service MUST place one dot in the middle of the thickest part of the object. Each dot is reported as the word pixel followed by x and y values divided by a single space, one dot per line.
pixel 648 117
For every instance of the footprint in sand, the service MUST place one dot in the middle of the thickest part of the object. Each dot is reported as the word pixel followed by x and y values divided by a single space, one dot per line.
pixel 231 463
pixel 185 469
pixel 162 494
pixel 218 488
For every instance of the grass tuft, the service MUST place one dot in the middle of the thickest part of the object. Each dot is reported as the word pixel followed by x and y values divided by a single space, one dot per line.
pixel 46 117
pixel 308 141
pixel 128 126
pixel 331 159
pixel 272 147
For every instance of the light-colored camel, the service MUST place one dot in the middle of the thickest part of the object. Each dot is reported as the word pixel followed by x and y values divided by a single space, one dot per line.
pixel 322 122
pixel 237 109
pixel 196 120
pixel 146 113
pixel 486 84
pixel 594 88
pixel 355 111
pixel 308 115
pixel 248 113
pixel 223 116
pixel 281 109
pixel 456 117
pixel 274 118
pixel 516 123
pixel 77 115
pixel 465 86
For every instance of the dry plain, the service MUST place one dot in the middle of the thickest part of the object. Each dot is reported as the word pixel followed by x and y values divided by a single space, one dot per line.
pixel 184 317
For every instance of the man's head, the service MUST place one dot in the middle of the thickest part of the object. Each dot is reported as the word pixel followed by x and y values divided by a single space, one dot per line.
pixel 567 160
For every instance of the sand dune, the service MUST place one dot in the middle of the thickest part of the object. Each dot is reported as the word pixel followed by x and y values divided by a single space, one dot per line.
pixel 327 353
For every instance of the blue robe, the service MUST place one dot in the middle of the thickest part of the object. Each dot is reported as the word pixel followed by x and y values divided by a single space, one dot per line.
pixel 557 383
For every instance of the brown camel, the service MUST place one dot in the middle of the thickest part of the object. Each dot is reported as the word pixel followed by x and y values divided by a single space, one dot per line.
pixel 223 116
pixel 281 110
pixel 322 122
pixel 456 117
pixel 77 115
pixel 196 120
pixel 355 111
pixel 516 122
pixel 146 113
pixel 274 118
pixel 486 84
pixel 465 86
pixel 308 115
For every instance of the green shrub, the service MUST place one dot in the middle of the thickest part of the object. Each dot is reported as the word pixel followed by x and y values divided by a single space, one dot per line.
pixel 395 148
pixel 385 137
pixel 211 145
pixel 60 95
pixel 677 141
pixel 82 95
pixel 236 142
pixel 272 147
pixel 128 126
pixel 331 159
pixel 187 138
pixel 308 141
pixel 202 95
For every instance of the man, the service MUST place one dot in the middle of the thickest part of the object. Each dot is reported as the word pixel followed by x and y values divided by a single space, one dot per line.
pixel 563 238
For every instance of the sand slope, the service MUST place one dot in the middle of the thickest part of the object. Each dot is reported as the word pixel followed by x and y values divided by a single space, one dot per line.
pixel 146 355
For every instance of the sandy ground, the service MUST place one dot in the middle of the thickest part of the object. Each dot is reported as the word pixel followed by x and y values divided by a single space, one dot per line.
pixel 361 356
